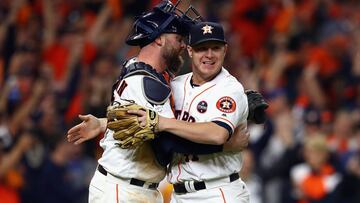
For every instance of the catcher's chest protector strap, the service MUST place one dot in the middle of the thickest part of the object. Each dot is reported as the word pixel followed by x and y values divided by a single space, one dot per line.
pixel 154 87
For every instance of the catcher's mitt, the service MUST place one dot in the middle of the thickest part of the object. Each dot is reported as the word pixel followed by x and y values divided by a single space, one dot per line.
pixel 126 127
pixel 257 106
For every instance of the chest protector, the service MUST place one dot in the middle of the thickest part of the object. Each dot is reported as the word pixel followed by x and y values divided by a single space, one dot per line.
pixel 154 86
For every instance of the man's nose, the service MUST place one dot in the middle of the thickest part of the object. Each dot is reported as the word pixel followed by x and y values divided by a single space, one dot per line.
pixel 209 52
pixel 183 45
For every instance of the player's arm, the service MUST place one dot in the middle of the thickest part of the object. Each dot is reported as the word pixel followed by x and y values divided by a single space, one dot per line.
pixel 214 137
pixel 89 128
pixel 214 133
pixel 205 133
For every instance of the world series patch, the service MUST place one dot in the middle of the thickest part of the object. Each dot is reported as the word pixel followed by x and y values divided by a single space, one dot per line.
pixel 202 107
pixel 226 104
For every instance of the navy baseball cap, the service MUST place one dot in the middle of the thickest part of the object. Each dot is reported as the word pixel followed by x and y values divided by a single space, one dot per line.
pixel 206 31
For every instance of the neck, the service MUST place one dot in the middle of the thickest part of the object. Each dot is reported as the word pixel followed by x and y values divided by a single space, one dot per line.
pixel 198 79
pixel 151 56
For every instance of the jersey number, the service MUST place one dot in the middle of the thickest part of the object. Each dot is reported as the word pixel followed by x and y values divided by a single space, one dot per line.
pixel 122 87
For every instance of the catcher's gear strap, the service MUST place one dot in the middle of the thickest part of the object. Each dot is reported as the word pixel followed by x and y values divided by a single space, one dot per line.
pixel 155 87
pixel 140 68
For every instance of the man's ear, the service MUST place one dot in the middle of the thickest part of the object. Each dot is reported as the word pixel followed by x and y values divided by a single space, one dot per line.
pixel 225 49
pixel 160 40
pixel 190 51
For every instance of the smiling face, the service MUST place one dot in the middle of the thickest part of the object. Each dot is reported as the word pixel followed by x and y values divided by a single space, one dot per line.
pixel 207 60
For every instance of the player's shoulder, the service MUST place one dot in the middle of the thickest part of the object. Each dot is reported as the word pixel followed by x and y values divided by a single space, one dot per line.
pixel 229 82
pixel 180 79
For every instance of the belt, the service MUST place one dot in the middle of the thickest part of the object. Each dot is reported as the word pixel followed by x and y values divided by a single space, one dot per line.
pixel 181 188
pixel 133 181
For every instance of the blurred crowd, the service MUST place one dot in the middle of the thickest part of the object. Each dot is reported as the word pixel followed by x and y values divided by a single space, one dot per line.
pixel 59 59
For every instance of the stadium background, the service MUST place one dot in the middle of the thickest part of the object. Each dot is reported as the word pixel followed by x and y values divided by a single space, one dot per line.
pixel 59 58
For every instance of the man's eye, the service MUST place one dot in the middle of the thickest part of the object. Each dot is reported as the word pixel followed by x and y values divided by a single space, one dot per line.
pixel 201 49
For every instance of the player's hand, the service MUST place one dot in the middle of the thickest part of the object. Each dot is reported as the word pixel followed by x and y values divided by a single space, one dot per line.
pixel 89 128
pixel 239 140
pixel 142 118
pixel 141 114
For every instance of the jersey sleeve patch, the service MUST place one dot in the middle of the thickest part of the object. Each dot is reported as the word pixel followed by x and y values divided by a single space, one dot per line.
pixel 226 104
pixel 155 91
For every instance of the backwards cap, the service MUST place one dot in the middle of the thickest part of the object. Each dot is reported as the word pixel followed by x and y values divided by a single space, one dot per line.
pixel 161 19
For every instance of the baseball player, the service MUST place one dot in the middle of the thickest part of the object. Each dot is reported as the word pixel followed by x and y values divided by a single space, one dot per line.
pixel 209 105
pixel 131 175
pixel 208 94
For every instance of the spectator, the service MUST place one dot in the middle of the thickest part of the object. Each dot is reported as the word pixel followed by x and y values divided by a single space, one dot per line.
pixel 316 179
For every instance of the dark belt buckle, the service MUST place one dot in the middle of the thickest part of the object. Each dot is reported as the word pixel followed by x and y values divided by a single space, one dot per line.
pixel 141 183
pixel 234 177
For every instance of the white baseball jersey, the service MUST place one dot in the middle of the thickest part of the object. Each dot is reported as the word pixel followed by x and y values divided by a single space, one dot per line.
pixel 140 162
pixel 221 100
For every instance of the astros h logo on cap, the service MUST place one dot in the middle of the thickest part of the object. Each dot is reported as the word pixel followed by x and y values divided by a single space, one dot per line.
pixel 206 31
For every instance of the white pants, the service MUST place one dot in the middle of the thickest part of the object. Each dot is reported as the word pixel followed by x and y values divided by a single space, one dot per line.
pixel 234 192
pixel 110 189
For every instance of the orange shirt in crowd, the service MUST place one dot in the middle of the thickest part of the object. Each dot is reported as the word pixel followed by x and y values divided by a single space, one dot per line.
pixel 57 56
pixel 252 34
pixel 8 195
pixel 327 64
pixel 314 185
pixel 12 182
